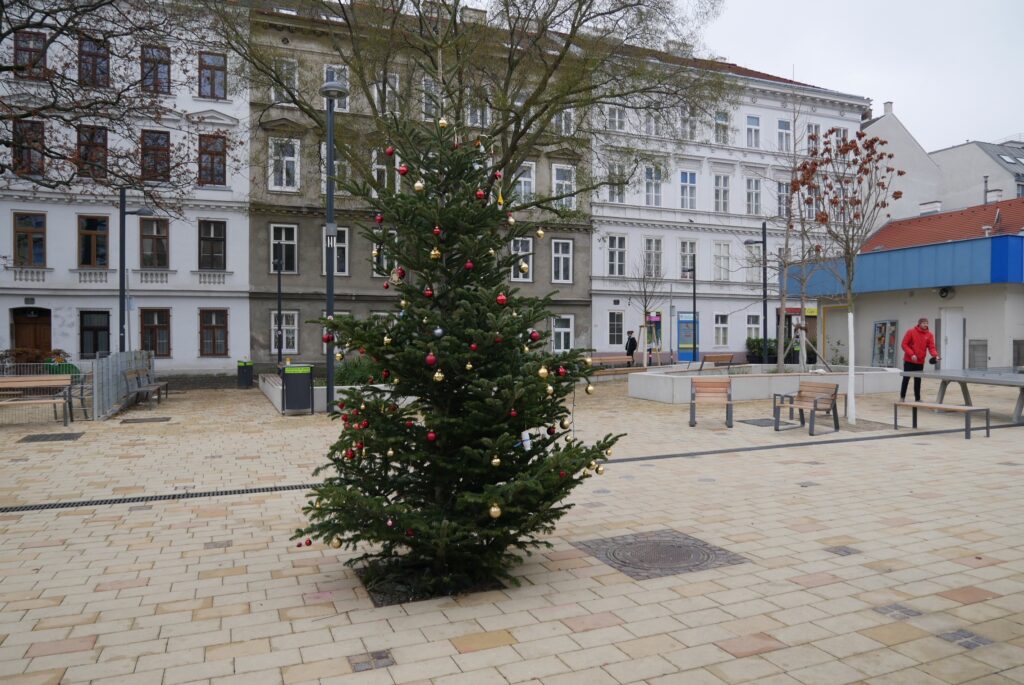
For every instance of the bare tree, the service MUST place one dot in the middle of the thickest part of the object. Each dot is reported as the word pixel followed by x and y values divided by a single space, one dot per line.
pixel 847 181
pixel 647 293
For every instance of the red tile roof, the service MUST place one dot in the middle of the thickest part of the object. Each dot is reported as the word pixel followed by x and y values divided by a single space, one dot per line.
pixel 961 224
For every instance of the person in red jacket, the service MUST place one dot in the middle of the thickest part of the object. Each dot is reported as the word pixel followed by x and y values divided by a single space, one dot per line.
pixel 917 344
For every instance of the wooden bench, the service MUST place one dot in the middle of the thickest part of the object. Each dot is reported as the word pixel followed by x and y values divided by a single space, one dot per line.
pixel 812 397
pixel 55 390
pixel 139 389
pixel 711 391
pixel 149 378
pixel 611 360
pixel 715 360
pixel 955 408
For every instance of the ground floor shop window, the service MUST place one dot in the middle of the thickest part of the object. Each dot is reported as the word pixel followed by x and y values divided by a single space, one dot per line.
pixel 213 332
pixel 156 331
pixel 93 334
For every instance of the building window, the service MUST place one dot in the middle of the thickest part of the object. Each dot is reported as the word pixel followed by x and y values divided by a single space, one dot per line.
pixel 339 73
pixel 561 333
pixel 785 136
pixel 615 328
pixel 213 332
pixel 283 253
pixel 340 172
pixel 431 103
pixel 382 262
pixel 615 118
pixel 387 95
pixel 652 258
pixel 289 332
pixel 30 240
pixel 813 138
pixel 617 182
pixel 652 186
pixel 616 255
pixel 1020 190
pixel 284 164
pixel 524 182
pixel 721 330
pixel 564 183
pixel 212 245
pixel 754 258
pixel 687 259
pixel 721 193
pixel 477 112
pixel 688 123
pixel 754 132
pixel 213 161
pixel 524 248
pixel 154 244
pixel 340 253
pixel 213 75
pixel 652 124
pixel 561 261
pixel 722 128
pixel 156 156
pixel 28 147
pixel 721 261
pixel 562 123
pixel 753 196
pixel 156 69
pixel 843 134
pixel 93 335
pixel 286 81
pixel 92 242
pixel 782 198
pixel 93 63
pixel 753 325
pixel 91 160
pixel 156 331
pixel 30 55
pixel 688 189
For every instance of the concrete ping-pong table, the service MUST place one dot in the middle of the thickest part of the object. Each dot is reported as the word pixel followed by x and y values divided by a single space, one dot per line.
pixel 1006 376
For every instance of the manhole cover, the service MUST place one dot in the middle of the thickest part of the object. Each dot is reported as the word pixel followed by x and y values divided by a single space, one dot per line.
pixel 655 554
pixel 154 419
pixel 51 437
pixel 765 423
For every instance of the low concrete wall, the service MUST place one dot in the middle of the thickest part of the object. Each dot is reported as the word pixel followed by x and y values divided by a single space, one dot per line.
pixel 270 385
pixel 673 387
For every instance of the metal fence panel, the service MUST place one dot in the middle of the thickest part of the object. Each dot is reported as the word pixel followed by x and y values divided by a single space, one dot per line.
pixel 81 373
pixel 110 392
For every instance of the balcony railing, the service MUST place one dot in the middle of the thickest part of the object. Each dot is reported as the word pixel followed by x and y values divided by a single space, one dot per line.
pixel 94 276
pixel 212 277
pixel 29 274
pixel 153 276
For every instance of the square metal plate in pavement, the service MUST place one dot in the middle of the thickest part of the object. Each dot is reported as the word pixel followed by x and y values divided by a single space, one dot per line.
pixel 51 437
pixel 658 553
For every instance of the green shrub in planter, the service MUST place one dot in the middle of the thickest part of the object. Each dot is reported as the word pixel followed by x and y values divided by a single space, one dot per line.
pixel 359 370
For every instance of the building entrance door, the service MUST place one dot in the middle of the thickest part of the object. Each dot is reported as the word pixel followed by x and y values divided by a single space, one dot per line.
pixel 951 345
pixel 31 328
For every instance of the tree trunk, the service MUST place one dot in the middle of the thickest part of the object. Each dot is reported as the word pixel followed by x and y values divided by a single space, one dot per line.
pixel 851 399
pixel 780 328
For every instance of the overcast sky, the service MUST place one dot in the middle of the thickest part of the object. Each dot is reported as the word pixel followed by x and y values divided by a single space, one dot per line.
pixel 953 68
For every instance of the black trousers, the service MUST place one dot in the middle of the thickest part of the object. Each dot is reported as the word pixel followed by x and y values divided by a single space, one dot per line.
pixel 911 366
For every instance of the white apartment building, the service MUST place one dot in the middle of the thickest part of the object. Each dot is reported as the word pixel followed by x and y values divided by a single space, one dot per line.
pixel 701 191
pixel 187 271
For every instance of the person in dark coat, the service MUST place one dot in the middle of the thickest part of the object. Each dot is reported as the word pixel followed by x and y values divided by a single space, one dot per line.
pixel 630 347
pixel 917 344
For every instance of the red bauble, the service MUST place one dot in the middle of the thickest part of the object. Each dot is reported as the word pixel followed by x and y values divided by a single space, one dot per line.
pixel 341 405
pixel 431 436
pixel 409 532
pixel 498 339
pixel 385 374
pixel 437 230
pixel 379 218
pixel 480 194
pixel 513 413
pixel 431 359
pixel 551 430
pixel 359 445
pixel 327 337
pixel 403 169
pixel 428 292
pixel 501 299
pixel 389 150
pixel 562 474
pixel 401 272
pixel 349 453
pixel 365 423
pixel 562 371
pixel 299 543
pixel 386 286
pixel 534 336
pixel 498 174
pixel 344 418
pixel 362 351
pixel 308 542
pixel 473 347
pixel 409 424
pixel 469 265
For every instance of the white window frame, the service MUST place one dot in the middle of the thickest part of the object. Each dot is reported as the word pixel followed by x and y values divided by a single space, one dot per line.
pixel 616 255
pixel 753 131
pixel 340 172
pixel 285 327
pixel 337 72
pixel 653 257
pixel 523 247
pixel 813 130
pixel 687 189
pixel 323 329
pixel 652 124
pixel 278 96
pixel 687 258
pixel 294 242
pixel 783 198
pixel 272 162
pixel 617 191
pixel 754 257
pixel 477 113
pixel 615 118
pixel 428 106
pixel 382 259
pixel 754 326
pixel 720 260
pixel 526 183
pixel 721 128
pixel 559 187
pixel 555 333
pixel 754 196
pixel 721 329
pixel 390 104
pixel 616 319
pixel 785 135
pixel 563 122
pixel 340 243
pixel 652 186
pixel 722 193
pixel 561 262
pixel 688 124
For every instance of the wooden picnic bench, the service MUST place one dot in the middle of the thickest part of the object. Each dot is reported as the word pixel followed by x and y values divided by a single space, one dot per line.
pixel 811 397
pixel 966 410
pixel 55 390
pixel 139 388
pixel 711 391
pixel 716 359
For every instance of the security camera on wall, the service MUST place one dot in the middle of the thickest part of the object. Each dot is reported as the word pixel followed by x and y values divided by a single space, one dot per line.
pixel 947 293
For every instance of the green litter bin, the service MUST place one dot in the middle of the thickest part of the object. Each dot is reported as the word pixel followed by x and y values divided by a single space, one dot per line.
pixel 297 389
pixel 245 375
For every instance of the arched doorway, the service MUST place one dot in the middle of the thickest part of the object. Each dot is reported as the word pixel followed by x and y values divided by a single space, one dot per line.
pixel 31 328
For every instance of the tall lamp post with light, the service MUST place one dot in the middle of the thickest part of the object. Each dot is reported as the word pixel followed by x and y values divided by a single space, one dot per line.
pixel 763 242
pixel 331 90
pixel 692 270
pixel 122 275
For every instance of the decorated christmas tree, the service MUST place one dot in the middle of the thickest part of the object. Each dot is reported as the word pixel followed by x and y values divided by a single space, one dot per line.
pixel 463 453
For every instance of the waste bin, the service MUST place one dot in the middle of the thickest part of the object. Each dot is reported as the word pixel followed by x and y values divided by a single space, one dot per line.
pixel 245 375
pixel 297 389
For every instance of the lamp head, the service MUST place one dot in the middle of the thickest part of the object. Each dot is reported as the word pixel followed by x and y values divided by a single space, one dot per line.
pixel 142 211
pixel 751 242
pixel 333 90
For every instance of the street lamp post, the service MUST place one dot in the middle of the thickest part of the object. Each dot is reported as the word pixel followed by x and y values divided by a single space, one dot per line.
pixel 331 91
pixel 764 287
pixel 280 330
pixel 696 324
pixel 122 260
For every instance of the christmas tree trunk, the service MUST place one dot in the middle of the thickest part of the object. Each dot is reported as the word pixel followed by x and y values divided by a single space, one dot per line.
pixel 463 454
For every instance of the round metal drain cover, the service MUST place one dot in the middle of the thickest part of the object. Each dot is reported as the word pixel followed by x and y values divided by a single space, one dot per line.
pixel 659 554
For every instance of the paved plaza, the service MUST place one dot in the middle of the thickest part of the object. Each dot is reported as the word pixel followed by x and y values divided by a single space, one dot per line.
pixel 867 556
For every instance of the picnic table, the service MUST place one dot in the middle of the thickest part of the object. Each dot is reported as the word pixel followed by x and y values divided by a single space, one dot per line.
pixel 1004 376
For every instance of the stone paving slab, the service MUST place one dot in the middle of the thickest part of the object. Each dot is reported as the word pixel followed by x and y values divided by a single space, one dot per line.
pixel 211 590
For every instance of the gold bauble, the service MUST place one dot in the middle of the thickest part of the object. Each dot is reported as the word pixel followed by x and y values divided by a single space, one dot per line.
pixel 495 461
pixel 511 221
pixel 608 452
pixel 588 361
pixel 592 465
pixel 549 390
pixel 387 339
pixel 439 375
pixel 469 366
pixel 491 252
pixel 435 254
pixel 390 453
pixel 337 356
pixel 403 304
pixel 362 407
pixel 542 372
pixel 526 348
pixel 590 389
pixel 565 423
pixel 335 543
pixel 524 267
pixel 394 380
pixel 375 253
pixel 540 233
pixel 442 122
pixel 418 186
pixel 495 511
pixel 600 470
pixel 426 320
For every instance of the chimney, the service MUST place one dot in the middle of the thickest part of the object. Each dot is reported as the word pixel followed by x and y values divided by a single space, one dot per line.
pixel 471 15
pixel 987 230
pixel 984 194
pixel 930 207
pixel 887 107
